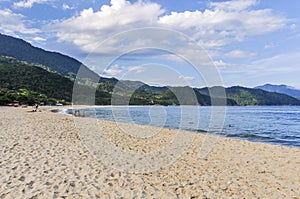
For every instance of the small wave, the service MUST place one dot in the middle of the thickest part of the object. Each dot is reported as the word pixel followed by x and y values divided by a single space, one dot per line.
pixel 196 130
pixel 65 111
pixel 291 137
pixel 249 136
pixel 60 111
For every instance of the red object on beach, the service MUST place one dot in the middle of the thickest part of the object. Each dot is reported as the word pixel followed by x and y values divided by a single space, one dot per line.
pixel 24 105
pixel 16 105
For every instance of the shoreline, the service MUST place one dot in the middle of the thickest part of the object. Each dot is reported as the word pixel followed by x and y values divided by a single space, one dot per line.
pixel 79 107
pixel 44 157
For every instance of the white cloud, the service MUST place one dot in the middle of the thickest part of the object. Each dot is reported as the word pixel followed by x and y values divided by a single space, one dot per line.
pixel 221 64
pixel 186 78
pixel 39 39
pixel 67 7
pixel 121 70
pixel 278 69
pixel 14 24
pixel 221 24
pixel 136 69
pixel 269 45
pixel 113 70
pixel 90 27
pixel 240 54
pixel 218 27
pixel 235 5
pixel 293 27
pixel 29 3
pixel 286 62
pixel 156 74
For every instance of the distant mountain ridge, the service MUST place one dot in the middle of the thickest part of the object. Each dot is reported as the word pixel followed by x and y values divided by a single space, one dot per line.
pixel 42 85
pixel 43 76
pixel 254 97
pixel 284 89
pixel 24 51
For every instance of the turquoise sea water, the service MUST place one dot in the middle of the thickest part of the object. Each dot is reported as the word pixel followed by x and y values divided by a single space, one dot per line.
pixel 269 124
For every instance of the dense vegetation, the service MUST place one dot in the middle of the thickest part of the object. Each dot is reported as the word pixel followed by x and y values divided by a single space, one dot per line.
pixel 28 83
pixel 255 97
pixel 248 96
pixel 24 96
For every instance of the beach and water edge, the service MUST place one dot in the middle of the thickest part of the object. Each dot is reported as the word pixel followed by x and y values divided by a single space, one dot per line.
pixel 43 156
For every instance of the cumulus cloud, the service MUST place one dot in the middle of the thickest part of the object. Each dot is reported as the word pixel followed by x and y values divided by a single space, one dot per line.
pixel 90 26
pixel 221 24
pixel 29 3
pixel 13 24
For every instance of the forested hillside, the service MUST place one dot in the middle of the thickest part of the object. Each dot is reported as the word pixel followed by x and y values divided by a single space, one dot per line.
pixel 33 75
pixel 24 51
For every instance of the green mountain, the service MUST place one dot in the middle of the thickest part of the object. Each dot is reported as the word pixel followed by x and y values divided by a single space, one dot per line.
pixel 25 82
pixel 248 96
pixel 30 83
pixel 24 51
pixel 255 97
pixel 30 75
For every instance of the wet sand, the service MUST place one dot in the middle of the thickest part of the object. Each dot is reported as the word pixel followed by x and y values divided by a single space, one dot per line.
pixel 44 156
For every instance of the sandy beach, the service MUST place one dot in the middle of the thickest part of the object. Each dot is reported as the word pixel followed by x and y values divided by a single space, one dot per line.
pixel 43 156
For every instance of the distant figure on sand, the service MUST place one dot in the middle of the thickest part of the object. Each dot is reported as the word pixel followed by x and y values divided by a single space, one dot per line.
pixel 36 107
pixel 77 113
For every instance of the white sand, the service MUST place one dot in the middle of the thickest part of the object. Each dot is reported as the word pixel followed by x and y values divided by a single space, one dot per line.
pixel 42 156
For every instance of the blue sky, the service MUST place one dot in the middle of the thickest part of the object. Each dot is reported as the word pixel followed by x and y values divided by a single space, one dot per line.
pixel 196 43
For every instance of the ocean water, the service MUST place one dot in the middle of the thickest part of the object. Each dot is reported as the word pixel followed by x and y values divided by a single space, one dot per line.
pixel 269 124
